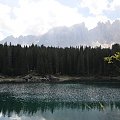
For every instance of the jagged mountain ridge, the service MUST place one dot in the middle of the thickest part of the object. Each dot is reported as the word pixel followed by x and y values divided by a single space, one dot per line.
pixel 103 33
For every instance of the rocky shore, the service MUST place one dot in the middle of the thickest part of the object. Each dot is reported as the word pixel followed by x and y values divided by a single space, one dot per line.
pixel 30 78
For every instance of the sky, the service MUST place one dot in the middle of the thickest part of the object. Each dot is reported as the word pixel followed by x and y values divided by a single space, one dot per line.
pixel 36 17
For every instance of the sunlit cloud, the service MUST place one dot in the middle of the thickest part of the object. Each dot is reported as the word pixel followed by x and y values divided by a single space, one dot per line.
pixel 95 7
pixel 36 17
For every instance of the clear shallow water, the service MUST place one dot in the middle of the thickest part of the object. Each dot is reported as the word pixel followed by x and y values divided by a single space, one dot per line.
pixel 58 102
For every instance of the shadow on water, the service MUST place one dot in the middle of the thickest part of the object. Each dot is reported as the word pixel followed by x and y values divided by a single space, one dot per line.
pixel 10 104
pixel 53 100
pixel 95 84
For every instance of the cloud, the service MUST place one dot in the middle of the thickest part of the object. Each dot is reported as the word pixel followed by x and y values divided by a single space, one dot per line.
pixel 92 22
pixel 37 16
pixel 98 7
pixel 4 19
pixel 114 5
pixel 95 7
pixel 1 36
pixel 101 11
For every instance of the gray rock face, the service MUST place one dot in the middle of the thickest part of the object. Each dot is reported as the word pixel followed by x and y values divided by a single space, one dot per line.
pixel 104 33
pixel 22 40
pixel 65 37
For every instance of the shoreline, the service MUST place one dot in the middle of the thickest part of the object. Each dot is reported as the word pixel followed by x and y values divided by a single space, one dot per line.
pixel 61 79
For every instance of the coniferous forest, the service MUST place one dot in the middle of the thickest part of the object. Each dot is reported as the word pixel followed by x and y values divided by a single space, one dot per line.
pixel 78 61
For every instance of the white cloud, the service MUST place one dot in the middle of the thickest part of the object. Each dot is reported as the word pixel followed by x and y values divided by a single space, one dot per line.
pixel 114 5
pixel 1 36
pixel 37 16
pixel 91 22
pixel 4 10
pixel 4 19
pixel 96 7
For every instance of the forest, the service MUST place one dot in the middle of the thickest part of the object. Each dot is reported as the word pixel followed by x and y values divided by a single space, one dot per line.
pixel 74 61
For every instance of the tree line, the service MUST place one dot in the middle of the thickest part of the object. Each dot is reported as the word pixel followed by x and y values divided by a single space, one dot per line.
pixel 80 61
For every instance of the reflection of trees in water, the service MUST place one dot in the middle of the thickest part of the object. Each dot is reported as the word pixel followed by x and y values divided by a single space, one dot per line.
pixel 9 104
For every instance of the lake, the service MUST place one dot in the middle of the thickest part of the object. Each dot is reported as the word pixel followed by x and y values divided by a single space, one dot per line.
pixel 42 101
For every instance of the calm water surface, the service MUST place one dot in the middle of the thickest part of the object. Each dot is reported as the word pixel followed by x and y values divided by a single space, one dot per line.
pixel 58 102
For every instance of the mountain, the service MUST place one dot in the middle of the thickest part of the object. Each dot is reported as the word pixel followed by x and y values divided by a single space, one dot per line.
pixel 64 36
pixel 23 40
pixel 106 33
pixel 103 33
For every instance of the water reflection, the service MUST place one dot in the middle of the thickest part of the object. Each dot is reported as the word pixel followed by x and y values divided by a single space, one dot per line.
pixel 59 102
pixel 10 104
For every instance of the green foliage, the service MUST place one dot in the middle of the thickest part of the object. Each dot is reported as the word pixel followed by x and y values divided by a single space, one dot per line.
pixel 110 59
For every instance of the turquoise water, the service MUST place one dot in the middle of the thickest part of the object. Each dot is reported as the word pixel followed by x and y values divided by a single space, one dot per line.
pixel 58 102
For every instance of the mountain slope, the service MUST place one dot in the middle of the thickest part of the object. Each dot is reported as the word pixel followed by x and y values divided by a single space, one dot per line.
pixel 103 33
